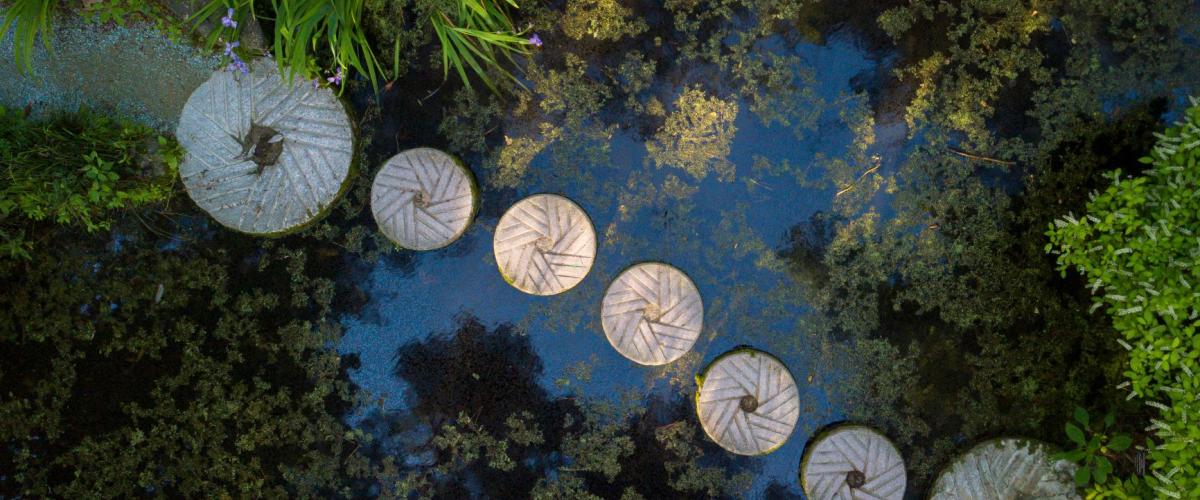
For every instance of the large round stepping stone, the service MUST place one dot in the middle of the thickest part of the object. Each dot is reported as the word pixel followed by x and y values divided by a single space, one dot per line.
pixel 852 462
pixel 747 402
pixel 423 199
pixel 1007 469
pixel 652 313
pixel 264 157
pixel 544 244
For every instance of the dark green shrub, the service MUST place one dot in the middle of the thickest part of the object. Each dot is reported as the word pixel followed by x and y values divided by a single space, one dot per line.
pixel 77 170
pixel 1138 247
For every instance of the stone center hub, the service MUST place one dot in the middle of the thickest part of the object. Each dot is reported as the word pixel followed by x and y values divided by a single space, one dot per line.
pixel 652 312
pixel 855 479
pixel 748 403
pixel 262 145
pixel 544 244
pixel 421 199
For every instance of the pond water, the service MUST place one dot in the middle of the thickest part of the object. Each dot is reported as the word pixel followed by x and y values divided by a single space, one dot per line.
pixel 724 234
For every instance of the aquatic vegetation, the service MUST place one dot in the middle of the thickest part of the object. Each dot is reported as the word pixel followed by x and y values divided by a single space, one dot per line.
pixel 475 391
pixel 1135 246
pixel 80 170
pixel 120 366
pixel 605 20
pixel 697 135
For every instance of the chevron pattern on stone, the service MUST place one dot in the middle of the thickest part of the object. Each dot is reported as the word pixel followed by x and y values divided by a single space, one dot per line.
pixel 1006 469
pixel 652 313
pixel 748 402
pixel 222 178
pixel 423 199
pixel 544 244
pixel 852 463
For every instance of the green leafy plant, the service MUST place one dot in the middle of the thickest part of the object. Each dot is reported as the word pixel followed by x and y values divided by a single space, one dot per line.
pixel 27 18
pixel 305 30
pixel 1138 245
pixel 1095 447
pixel 477 34
pixel 77 170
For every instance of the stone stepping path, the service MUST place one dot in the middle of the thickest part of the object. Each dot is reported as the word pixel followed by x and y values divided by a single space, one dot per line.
pixel 852 462
pixel 652 313
pixel 264 157
pixel 544 244
pixel 1006 469
pixel 747 402
pixel 423 199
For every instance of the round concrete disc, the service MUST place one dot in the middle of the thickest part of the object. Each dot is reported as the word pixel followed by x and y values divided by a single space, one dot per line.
pixel 652 313
pixel 747 402
pixel 423 199
pixel 544 244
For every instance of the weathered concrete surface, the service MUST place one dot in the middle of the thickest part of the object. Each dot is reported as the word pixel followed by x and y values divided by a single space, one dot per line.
pixel 133 72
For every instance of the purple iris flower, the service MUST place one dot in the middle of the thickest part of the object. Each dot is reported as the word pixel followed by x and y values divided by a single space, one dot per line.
pixel 238 65
pixel 336 79
pixel 228 21
pixel 535 40
pixel 230 46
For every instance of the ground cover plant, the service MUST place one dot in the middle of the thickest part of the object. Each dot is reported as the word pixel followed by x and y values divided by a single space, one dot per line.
pixel 78 170
pixel 1136 246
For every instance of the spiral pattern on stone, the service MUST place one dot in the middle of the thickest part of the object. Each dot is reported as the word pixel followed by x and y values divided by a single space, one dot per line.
pixel 652 313
pixel 423 199
pixel 748 402
pixel 835 462
pixel 1006 469
pixel 544 244
pixel 220 171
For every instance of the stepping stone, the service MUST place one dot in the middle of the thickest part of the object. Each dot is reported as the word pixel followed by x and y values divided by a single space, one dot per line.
pixel 747 402
pixel 1007 469
pixel 423 199
pixel 264 157
pixel 544 244
pixel 652 313
pixel 852 462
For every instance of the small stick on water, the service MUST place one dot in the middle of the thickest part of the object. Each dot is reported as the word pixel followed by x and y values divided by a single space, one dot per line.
pixel 980 158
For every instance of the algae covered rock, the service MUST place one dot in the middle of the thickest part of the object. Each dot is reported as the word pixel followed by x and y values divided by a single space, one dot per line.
pixel 264 157
pixel 423 199
pixel 544 244
pixel 852 462
pixel 652 313
pixel 747 402
pixel 1006 469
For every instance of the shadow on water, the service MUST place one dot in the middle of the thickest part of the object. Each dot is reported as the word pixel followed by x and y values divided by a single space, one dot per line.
pixel 480 380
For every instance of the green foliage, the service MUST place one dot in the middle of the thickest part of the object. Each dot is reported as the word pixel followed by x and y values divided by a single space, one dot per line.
pixel 122 11
pixel 605 20
pixel 476 35
pixel 697 135
pixel 1093 453
pixel 77 170
pixel 1136 244
pixel 186 373
pixel 27 18
pixel 305 32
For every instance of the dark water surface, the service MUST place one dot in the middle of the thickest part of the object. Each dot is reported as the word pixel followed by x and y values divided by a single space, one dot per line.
pixel 725 235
